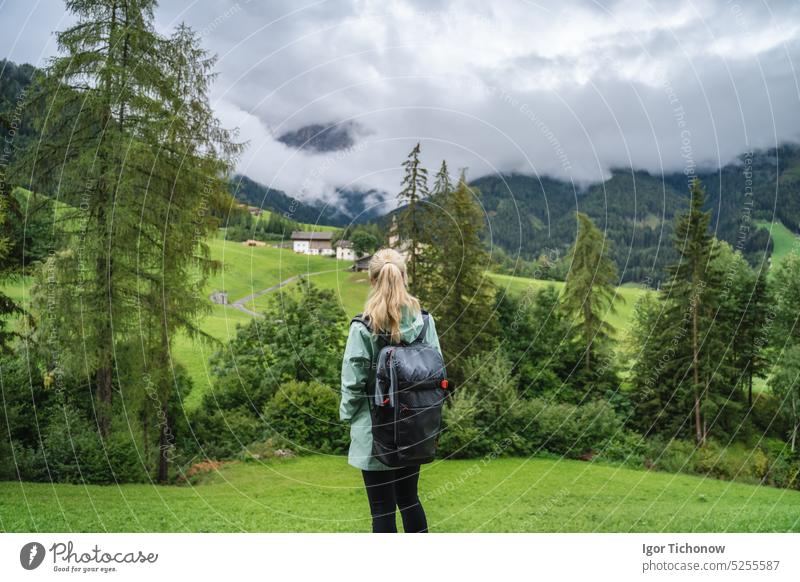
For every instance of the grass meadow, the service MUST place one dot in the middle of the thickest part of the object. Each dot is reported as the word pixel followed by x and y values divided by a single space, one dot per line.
pixel 782 238
pixel 324 494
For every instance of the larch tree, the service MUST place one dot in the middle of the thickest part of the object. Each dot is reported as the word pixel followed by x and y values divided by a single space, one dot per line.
pixel 103 94
pixel 590 288
pixel 188 183
pixel 131 143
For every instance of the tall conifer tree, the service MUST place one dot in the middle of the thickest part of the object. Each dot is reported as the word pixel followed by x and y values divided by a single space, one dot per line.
pixel 410 220
pixel 687 291
pixel 590 287
pixel 465 307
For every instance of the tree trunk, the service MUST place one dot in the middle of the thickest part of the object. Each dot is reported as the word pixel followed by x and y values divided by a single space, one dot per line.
pixel 165 430
pixel 104 373
pixel 698 424
pixel 163 446
pixel 104 390
pixel 587 314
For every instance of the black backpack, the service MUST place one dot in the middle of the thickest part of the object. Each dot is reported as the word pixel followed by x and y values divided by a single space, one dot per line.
pixel 406 389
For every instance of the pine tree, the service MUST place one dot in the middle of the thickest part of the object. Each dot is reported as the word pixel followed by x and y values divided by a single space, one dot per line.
pixel 410 220
pixel 442 184
pixel 687 291
pixel 590 288
pixel 753 338
pixel 435 227
pixel 464 307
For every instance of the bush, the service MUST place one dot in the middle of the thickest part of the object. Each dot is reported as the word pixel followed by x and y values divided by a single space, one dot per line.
pixel 481 416
pixel 674 456
pixel 568 429
pixel 221 434
pixel 486 416
pixel 305 416
pixel 770 463
pixel 626 447
pixel 72 449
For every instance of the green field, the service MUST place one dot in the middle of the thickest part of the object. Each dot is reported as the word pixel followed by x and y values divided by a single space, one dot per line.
pixel 626 298
pixel 324 494
pixel 304 226
pixel 246 270
pixel 783 239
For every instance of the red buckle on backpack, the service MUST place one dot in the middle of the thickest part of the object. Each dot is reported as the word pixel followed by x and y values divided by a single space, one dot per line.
pixel 386 401
pixel 444 384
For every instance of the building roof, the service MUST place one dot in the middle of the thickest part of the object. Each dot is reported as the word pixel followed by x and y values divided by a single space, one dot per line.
pixel 345 244
pixel 300 235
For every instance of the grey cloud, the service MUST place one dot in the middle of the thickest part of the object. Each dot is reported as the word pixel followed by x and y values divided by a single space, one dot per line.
pixel 570 89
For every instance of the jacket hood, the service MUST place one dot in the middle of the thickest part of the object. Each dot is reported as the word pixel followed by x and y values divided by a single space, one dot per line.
pixel 410 325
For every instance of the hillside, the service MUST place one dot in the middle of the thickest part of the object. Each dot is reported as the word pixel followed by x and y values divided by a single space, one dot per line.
pixel 352 207
pixel 532 215
pixel 318 493
pixel 637 210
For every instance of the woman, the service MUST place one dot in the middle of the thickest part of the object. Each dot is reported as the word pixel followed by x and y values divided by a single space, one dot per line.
pixel 394 312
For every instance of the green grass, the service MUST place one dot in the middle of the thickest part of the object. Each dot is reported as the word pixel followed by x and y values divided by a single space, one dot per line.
pixel 783 239
pixel 304 226
pixel 350 289
pixel 194 354
pixel 627 295
pixel 246 270
pixel 324 494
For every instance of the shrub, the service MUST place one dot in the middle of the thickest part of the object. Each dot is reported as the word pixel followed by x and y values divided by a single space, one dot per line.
pixel 674 456
pixel 73 448
pixel 486 416
pixel 567 429
pixel 221 434
pixel 481 416
pixel 305 415
pixel 626 447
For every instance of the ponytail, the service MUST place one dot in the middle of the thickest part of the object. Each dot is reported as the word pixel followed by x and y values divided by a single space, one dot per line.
pixel 387 273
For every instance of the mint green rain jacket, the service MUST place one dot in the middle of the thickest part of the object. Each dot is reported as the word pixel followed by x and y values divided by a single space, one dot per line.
pixel 359 354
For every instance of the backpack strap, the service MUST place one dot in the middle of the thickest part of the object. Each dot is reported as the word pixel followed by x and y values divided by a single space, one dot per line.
pixel 364 320
pixel 360 318
pixel 424 330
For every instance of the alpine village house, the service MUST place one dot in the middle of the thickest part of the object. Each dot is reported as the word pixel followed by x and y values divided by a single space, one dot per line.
pixel 320 243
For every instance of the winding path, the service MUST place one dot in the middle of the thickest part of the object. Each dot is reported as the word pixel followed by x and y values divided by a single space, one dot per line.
pixel 240 304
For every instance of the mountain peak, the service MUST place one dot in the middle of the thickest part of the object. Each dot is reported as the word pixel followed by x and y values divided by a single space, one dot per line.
pixel 319 137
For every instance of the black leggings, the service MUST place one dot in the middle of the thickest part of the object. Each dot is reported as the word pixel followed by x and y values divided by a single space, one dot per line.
pixel 395 488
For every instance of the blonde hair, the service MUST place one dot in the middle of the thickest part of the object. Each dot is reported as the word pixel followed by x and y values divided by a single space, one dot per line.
pixel 387 273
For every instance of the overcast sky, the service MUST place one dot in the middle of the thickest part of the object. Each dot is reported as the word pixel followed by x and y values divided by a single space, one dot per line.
pixel 567 89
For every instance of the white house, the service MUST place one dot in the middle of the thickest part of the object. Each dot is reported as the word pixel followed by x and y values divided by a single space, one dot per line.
pixel 313 243
pixel 345 251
